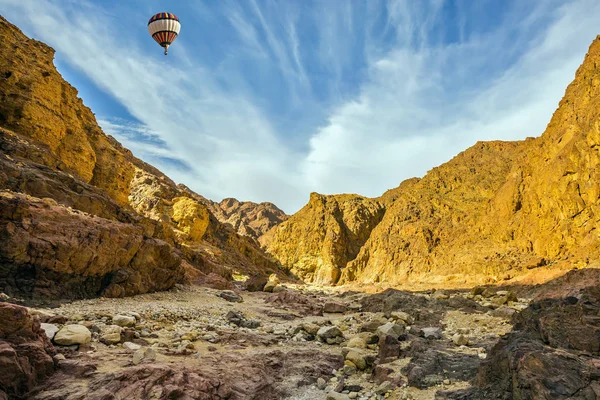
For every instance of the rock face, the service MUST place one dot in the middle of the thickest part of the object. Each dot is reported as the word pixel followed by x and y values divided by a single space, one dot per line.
pixel 491 213
pixel 552 353
pixel 25 352
pixel 247 218
pixel 80 215
pixel 44 243
pixel 321 238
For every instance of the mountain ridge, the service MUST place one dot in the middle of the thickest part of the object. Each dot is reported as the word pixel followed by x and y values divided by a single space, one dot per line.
pixel 489 214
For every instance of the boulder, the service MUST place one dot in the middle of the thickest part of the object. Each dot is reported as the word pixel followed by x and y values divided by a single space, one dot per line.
pixel 131 346
pixel 145 353
pixel 25 352
pixel 439 295
pixel 460 340
pixel 503 312
pixel 256 283
pixel 337 396
pixel 232 296
pixel 237 318
pixel 270 286
pixel 73 335
pixel 389 348
pixel 357 357
pixel 431 333
pixel 357 342
pixel 390 329
pixel 124 320
pixel 50 330
pixel 334 307
pixel 402 316
pixel 111 334
pixel 311 328
pixel 373 325
pixel 329 332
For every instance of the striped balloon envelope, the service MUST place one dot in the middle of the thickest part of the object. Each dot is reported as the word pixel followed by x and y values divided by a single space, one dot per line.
pixel 164 28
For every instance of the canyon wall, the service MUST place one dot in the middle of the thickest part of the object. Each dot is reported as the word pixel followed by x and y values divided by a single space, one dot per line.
pixel 493 212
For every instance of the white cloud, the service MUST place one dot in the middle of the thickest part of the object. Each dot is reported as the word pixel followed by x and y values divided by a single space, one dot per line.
pixel 404 123
pixel 421 102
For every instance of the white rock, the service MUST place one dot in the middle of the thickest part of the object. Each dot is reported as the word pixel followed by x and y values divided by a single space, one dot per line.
pixel 73 335
pixel 50 330
pixel 432 333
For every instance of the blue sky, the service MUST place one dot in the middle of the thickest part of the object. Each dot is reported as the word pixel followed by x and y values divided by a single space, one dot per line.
pixel 267 100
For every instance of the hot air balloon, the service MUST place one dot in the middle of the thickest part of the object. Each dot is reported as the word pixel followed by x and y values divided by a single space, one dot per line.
pixel 164 28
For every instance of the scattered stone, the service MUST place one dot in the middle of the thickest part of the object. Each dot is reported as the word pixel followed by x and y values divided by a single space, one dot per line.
pixel 439 295
pixel 111 334
pixel 311 328
pixel 390 329
pixel 42 314
pixel 431 333
pixel 124 320
pixel 237 318
pixel 321 384
pixel 337 396
pixel 334 307
pixel 145 353
pixel 384 387
pixel 503 312
pixel 402 316
pixel 460 340
pixel 389 348
pixel 256 283
pixel 131 346
pixel 357 342
pixel 329 332
pixel 357 357
pixel 73 335
pixel 57 319
pixel 50 330
pixel 232 296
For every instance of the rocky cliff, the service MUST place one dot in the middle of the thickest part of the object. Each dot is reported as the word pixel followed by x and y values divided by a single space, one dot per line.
pixel 247 218
pixel 325 234
pixel 491 213
pixel 81 216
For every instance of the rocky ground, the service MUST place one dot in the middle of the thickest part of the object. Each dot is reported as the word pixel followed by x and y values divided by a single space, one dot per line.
pixel 293 343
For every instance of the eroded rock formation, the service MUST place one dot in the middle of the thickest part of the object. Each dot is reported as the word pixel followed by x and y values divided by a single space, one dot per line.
pixel 247 218
pixel 489 214
pixel 324 235
pixel 80 211
pixel 25 352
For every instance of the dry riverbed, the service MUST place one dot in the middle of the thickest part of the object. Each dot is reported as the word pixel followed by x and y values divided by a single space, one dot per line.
pixel 297 343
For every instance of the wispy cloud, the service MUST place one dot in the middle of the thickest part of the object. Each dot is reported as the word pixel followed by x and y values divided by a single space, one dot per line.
pixel 267 101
